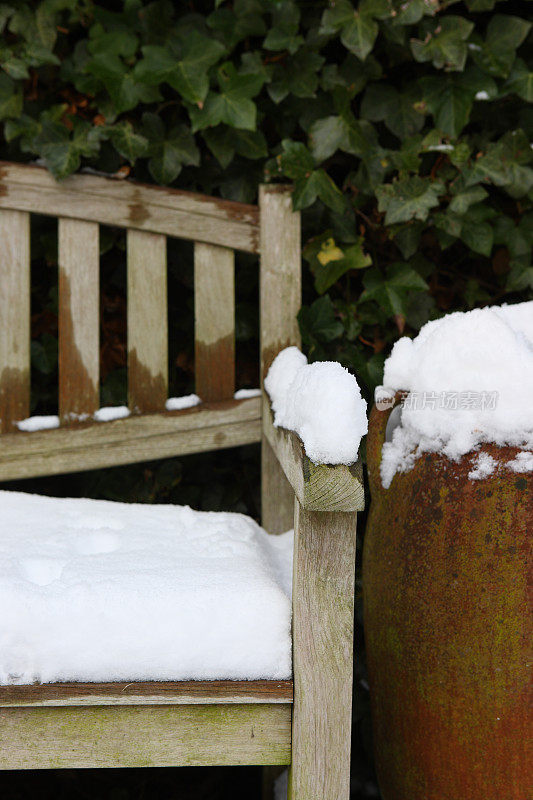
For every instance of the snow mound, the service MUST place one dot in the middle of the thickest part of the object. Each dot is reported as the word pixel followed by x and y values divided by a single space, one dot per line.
pixel 469 378
pixel 321 402
pixel 92 590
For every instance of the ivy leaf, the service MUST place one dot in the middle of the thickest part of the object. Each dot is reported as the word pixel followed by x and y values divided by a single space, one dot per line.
pixel 10 97
pixel 120 83
pixel 463 200
pixel 299 76
pixel 317 184
pixel 391 292
pixel 505 164
pixel 520 81
pixel 333 263
pixel 169 150
pixel 188 74
pixel 449 98
pixel 505 34
pixel 61 148
pixel 358 29
pixel 129 144
pixel 318 324
pixel 412 198
pixel 296 161
pixel 478 236
pixel 283 35
pixel 445 43
pixel 412 12
pixel 233 105
pixel 399 111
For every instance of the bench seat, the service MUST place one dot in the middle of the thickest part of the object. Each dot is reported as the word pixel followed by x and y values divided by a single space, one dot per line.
pixel 97 591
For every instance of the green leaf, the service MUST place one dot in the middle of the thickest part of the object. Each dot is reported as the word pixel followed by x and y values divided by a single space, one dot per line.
pixel 317 185
pixel 329 272
pixel 520 81
pixel 398 110
pixel 408 238
pixel 233 104
pixel 16 68
pixel 478 236
pixel 10 97
pixel 411 198
pixel 391 292
pixel 188 74
pixel 221 142
pixel 449 98
pixel 283 35
pixel 463 200
pixel 358 29
pixel 298 76
pixel 296 161
pixel 120 83
pixel 505 34
pixel 169 150
pixel 129 144
pixel 318 323
pixel 504 164
pixel 445 43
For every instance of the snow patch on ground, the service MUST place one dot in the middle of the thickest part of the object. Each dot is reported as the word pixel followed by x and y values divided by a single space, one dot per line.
pixel 321 402
pixel 92 590
pixel 469 380
pixel 244 394
pixel 484 465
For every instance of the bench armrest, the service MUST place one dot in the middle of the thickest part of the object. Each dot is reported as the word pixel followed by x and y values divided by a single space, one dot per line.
pixel 318 487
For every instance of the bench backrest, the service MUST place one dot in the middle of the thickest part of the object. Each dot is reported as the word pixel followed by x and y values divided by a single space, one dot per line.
pixel 150 214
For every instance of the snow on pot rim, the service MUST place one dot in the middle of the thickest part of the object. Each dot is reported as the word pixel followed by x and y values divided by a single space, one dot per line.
pixel 321 402
pixel 468 380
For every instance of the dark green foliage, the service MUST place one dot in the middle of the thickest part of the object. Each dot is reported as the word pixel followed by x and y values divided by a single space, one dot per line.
pixel 403 126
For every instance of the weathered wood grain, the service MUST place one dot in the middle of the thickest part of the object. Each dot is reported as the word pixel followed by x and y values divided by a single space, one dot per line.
pixel 147 321
pixel 214 321
pixel 323 607
pixel 144 736
pixel 146 693
pixel 184 215
pixel 14 317
pixel 318 487
pixel 79 318
pixel 127 441
pixel 280 300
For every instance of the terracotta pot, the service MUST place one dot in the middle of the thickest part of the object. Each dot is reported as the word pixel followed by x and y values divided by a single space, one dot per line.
pixel 448 628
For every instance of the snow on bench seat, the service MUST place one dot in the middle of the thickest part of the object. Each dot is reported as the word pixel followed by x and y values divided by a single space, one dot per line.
pixel 92 590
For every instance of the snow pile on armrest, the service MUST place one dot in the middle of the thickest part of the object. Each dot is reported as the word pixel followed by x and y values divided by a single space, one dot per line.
pixel 321 402
pixel 470 380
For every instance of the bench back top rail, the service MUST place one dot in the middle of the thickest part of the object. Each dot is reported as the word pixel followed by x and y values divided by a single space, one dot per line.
pixel 150 214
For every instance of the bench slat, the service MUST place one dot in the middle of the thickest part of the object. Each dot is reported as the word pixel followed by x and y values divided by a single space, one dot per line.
pixel 184 215
pixel 214 320
pixel 147 321
pixel 127 441
pixel 146 693
pixel 145 736
pixel 79 318
pixel 14 317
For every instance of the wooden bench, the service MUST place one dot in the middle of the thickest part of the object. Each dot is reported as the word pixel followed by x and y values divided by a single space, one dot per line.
pixel 306 724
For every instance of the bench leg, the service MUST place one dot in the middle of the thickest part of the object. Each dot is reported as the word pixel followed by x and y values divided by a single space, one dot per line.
pixel 323 607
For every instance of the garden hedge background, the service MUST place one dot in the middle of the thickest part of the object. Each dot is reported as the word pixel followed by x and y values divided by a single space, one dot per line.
pixel 405 128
